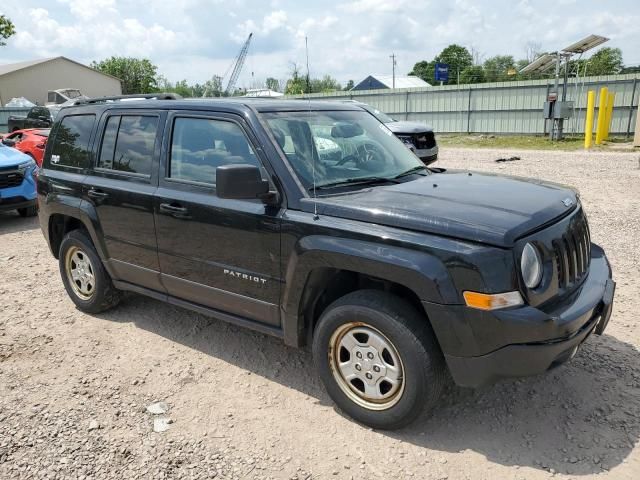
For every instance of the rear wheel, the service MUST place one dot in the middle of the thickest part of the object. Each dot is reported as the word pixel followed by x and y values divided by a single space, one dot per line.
pixel 28 211
pixel 84 277
pixel 378 359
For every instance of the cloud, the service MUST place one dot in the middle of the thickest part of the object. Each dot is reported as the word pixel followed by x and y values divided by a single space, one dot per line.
pixel 126 37
pixel 195 39
pixel 88 9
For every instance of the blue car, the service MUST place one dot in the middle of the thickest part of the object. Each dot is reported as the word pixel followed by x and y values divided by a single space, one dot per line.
pixel 17 182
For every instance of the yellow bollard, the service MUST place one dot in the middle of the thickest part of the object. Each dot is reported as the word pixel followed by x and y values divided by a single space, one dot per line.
pixel 602 113
pixel 588 125
pixel 607 125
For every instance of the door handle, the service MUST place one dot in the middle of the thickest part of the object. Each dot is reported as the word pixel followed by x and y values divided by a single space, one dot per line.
pixel 172 209
pixel 97 194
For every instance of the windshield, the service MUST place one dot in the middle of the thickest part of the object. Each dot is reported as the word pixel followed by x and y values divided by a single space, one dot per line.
pixel 71 93
pixel 383 117
pixel 339 146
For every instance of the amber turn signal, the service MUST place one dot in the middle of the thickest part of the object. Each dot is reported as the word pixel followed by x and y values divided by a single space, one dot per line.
pixel 492 301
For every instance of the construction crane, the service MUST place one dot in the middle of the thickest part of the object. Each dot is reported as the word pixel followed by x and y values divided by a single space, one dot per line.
pixel 239 63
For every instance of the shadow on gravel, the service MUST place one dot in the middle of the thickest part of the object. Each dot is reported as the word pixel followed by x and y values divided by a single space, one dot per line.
pixel 11 222
pixel 581 418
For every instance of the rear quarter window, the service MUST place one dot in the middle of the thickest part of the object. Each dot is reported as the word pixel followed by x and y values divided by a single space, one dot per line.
pixel 71 142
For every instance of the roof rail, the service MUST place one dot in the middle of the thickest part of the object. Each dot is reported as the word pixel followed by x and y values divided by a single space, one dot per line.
pixel 141 96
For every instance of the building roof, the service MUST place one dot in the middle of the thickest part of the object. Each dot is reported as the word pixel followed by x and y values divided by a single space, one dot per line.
pixel 407 81
pixel 262 92
pixel 14 67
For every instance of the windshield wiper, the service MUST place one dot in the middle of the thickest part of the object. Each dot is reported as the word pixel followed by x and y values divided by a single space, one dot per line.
pixel 355 181
pixel 410 171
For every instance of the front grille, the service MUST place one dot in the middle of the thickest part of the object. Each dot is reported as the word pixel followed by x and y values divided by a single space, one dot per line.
pixel 10 179
pixel 424 140
pixel 573 253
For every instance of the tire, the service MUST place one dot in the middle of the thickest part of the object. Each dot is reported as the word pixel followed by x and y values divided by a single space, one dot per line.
pixel 92 293
pixel 28 211
pixel 411 372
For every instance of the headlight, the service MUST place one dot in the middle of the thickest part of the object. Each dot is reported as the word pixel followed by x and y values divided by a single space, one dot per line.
pixel 531 266
pixel 23 167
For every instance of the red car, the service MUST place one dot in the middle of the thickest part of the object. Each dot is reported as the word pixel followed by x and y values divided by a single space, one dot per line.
pixel 31 141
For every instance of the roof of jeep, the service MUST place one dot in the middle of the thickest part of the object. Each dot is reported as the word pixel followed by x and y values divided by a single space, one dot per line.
pixel 238 104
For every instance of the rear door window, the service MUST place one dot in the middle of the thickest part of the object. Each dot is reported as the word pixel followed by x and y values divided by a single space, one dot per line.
pixel 71 142
pixel 128 144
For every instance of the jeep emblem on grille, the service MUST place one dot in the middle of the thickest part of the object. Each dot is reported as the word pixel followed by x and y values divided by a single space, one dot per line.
pixel 567 202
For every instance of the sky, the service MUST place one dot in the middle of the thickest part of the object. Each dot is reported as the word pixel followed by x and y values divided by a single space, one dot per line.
pixel 196 39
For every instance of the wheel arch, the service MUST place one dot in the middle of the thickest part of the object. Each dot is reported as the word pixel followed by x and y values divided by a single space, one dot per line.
pixel 323 269
pixel 69 213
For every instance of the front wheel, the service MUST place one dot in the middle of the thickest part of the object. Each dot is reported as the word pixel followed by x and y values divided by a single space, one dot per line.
pixel 378 359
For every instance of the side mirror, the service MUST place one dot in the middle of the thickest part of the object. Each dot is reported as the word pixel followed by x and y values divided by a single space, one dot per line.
pixel 9 142
pixel 241 182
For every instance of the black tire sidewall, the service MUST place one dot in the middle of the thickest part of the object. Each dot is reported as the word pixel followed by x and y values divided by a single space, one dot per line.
pixel 98 301
pixel 420 365
pixel 28 211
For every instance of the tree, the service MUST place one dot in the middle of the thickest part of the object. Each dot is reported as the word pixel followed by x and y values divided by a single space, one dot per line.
pixel 458 58
pixel 496 69
pixel 425 70
pixel 7 29
pixel 272 84
pixel 297 84
pixel 532 51
pixel 634 69
pixel 472 74
pixel 606 61
pixel 325 84
pixel 213 87
pixel 137 75
pixel 350 84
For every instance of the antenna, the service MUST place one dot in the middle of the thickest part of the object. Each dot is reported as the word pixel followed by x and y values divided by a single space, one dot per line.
pixel 313 157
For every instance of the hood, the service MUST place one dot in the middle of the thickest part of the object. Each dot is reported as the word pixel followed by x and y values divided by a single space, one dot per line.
pixel 408 127
pixel 10 157
pixel 491 209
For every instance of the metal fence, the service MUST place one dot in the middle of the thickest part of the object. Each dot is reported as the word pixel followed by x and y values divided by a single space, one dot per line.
pixel 6 112
pixel 506 108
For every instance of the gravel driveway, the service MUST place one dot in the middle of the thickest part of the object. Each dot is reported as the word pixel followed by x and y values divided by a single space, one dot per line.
pixel 74 388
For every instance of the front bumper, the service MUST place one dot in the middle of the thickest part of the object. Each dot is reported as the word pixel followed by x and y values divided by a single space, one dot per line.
pixel 15 203
pixel 427 155
pixel 525 340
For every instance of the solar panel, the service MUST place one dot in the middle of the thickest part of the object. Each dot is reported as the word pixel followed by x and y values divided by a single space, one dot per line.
pixel 585 44
pixel 540 64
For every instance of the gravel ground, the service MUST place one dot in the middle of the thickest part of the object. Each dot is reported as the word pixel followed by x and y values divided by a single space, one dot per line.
pixel 74 388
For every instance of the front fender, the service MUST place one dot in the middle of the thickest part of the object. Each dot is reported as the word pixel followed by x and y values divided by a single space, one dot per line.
pixel 418 271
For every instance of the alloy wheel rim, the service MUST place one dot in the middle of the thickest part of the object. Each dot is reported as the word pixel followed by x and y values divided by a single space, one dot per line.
pixel 80 274
pixel 366 366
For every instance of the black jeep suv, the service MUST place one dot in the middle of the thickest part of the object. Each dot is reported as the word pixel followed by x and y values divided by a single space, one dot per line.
pixel 395 274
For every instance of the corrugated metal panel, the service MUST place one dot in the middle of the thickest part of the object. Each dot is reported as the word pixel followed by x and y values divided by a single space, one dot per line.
pixel 508 107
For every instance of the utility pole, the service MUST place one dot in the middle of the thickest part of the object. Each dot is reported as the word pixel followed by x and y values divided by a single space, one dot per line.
pixel 393 63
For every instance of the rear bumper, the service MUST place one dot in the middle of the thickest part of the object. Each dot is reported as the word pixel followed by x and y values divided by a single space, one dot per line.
pixel 544 340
